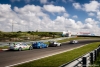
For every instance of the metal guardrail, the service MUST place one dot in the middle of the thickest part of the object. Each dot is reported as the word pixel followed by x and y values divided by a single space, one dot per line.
pixel 85 60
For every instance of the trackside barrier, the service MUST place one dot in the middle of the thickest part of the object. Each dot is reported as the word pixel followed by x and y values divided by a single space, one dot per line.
pixel 85 60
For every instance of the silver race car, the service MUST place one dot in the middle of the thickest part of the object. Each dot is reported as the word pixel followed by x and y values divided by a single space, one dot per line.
pixel 73 42
pixel 19 46
pixel 54 44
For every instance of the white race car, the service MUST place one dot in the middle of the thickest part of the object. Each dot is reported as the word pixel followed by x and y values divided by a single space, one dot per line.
pixel 74 42
pixel 54 43
pixel 19 46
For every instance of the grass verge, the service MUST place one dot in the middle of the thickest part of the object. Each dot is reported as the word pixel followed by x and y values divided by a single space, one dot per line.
pixel 4 47
pixel 75 38
pixel 59 59
pixel 97 62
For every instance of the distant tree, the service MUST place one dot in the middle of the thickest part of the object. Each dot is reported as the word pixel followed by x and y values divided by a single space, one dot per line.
pixel 0 31
pixel 42 34
pixel 13 35
pixel 29 32
pixel 53 34
pixel 1 34
pixel 19 31
pixel 36 30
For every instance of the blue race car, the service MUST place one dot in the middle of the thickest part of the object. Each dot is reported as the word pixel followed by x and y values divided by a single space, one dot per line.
pixel 39 45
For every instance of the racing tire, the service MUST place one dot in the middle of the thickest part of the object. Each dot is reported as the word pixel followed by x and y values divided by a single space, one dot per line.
pixel 30 48
pixel 40 47
pixel 47 46
pixel 20 49
pixel 55 45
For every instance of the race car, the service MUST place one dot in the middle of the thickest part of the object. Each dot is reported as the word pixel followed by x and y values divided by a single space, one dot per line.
pixel 54 44
pixel 73 42
pixel 19 46
pixel 39 45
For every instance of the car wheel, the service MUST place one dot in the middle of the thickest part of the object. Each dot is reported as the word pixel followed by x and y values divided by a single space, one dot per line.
pixel 47 46
pixel 55 45
pixel 60 44
pixel 40 47
pixel 20 49
pixel 30 48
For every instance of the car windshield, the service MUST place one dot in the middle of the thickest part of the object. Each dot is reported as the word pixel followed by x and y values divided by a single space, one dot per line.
pixel 28 43
pixel 12 44
pixel 72 40
pixel 51 41
pixel 23 43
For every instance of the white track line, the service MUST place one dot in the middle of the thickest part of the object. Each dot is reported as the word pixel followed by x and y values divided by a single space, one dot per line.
pixel 44 56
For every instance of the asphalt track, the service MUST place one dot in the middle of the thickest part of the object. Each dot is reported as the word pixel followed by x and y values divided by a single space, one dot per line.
pixel 12 57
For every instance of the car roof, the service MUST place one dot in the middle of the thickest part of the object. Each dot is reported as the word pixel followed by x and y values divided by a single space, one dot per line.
pixel 38 42
pixel 51 41
pixel 16 43
pixel 74 40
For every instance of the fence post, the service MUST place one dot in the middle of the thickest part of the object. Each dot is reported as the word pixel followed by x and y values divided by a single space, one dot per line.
pixel 84 60
pixel 91 57
pixel 99 48
pixel 97 52
pixel 95 55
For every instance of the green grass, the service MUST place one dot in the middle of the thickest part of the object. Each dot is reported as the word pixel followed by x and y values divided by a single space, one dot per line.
pixel 59 59
pixel 4 47
pixel 97 62
pixel 76 38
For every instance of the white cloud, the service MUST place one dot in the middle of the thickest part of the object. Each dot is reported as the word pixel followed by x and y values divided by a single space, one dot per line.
pixel 87 26
pixel 27 1
pixel 43 1
pixel 71 0
pixel 91 14
pixel 91 21
pixel 77 5
pixel 52 8
pixel 66 15
pixel 75 16
pixel 7 7
pixel 64 1
pixel 28 8
pixel 80 24
pixel 15 0
pixel 65 24
pixel 92 26
pixel 93 6
pixel 98 15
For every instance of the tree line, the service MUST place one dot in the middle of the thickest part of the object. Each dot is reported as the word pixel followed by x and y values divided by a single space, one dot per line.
pixel 7 35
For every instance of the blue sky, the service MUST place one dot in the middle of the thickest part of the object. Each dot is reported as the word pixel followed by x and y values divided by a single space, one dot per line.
pixel 50 15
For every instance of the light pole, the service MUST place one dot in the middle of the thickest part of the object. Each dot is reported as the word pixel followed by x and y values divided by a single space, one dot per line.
pixel 12 27
pixel 12 24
